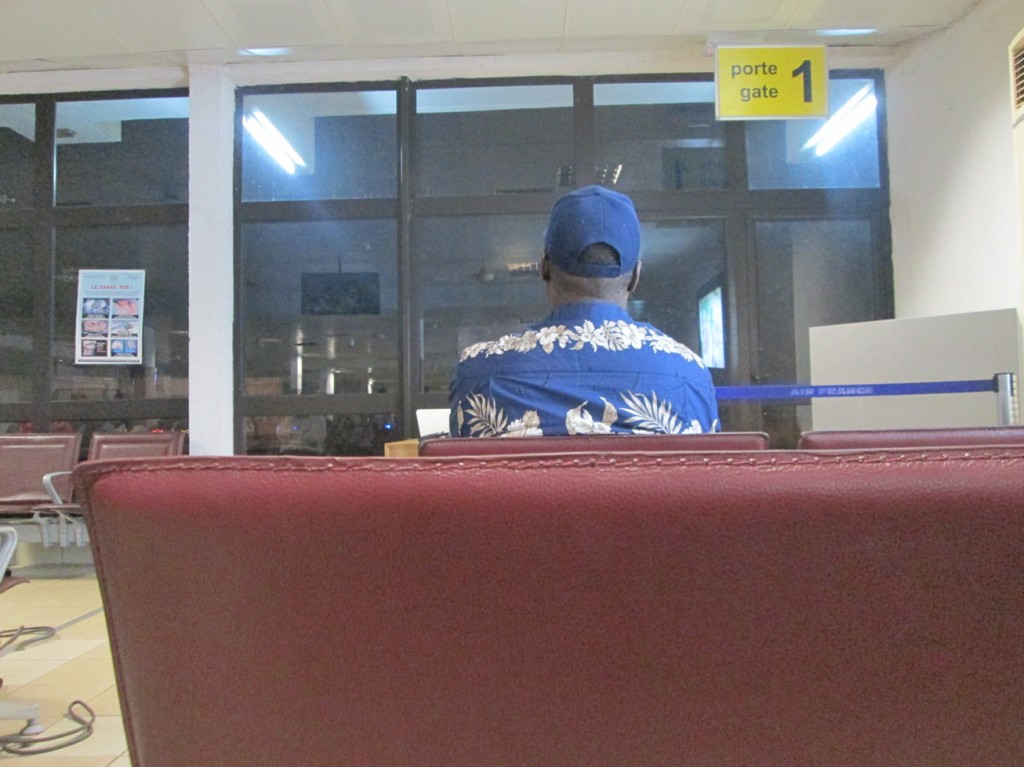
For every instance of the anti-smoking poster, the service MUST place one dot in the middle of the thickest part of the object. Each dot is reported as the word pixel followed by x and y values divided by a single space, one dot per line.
pixel 109 324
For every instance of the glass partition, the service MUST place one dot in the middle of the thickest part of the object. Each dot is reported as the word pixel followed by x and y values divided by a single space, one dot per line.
pixel 355 434
pixel 679 260
pixel 810 273
pixel 323 145
pixel 17 305
pixel 162 252
pixel 360 278
pixel 658 136
pixel 840 152
pixel 17 148
pixel 477 278
pixel 493 140
pixel 320 307
pixel 122 152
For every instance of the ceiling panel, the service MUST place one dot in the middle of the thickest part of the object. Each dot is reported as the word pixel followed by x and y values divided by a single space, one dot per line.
pixel 275 23
pixel 613 18
pixel 159 25
pixel 936 13
pixel 476 21
pixel 37 35
pixel 619 43
pixel 393 20
pixel 842 14
pixel 53 28
pixel 720 15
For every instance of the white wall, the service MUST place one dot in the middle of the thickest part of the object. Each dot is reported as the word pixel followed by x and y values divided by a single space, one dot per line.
pixel 956 229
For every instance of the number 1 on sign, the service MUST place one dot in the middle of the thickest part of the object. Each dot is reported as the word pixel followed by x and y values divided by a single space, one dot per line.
pixel 805 70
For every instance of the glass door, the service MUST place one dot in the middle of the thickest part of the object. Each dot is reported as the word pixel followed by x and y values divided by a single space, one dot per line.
pixel 809 273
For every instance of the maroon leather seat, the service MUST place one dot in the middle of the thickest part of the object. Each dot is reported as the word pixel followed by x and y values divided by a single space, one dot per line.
pixel 631 443
pixel 783 608
pixel 857 439
pixel 25 459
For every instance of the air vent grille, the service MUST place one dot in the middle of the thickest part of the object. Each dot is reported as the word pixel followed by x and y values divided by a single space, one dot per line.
pixel 1017 76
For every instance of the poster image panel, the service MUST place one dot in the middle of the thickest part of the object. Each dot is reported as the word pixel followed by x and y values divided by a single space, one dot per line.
pixel 109 319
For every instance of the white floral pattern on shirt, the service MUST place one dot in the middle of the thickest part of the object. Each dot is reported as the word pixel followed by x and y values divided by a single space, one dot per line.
pixel 647 416
pixel 579 421
pixel 611 335
pixel 486 419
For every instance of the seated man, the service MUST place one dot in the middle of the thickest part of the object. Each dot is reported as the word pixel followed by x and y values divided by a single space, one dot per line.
pixel 588 368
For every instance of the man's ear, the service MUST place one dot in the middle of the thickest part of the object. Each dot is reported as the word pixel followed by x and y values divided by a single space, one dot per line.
pixel 635 278
pixel 545 268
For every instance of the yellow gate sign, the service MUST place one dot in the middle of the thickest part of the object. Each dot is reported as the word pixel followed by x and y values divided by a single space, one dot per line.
pixel 770 83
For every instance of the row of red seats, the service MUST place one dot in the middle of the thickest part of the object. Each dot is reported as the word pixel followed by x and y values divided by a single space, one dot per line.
pixel 811 440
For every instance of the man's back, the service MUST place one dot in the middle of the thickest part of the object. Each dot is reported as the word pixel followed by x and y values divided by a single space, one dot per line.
pixel 588 368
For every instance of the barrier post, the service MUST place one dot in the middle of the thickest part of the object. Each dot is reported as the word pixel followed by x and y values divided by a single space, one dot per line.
pixel 1004 399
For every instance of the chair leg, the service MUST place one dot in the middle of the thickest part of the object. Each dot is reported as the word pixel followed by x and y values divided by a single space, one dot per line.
pixel 81 533
pixel 9 709
pixel 27 711
pixel 8 543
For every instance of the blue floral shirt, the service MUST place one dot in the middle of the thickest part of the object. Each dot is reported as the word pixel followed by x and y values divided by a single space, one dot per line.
pixel 589 368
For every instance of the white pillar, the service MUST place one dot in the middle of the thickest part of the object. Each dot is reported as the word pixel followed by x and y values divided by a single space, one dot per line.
pixel 211 261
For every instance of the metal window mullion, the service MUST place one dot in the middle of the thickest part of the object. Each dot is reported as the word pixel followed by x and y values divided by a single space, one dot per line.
pixel 410 351
pixel 43 242
pixel 584 152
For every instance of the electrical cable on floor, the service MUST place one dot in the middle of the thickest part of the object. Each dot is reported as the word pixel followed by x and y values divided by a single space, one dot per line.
pixel 9 637
pixel 30 745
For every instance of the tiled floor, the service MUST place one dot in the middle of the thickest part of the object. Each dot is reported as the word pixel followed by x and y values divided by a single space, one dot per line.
pixel 74 665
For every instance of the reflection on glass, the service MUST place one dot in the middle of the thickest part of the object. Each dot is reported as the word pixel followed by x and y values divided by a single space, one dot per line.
pixel 122 151
pixel 858 109
pixel 477 278
pixel 162 252
pixel 810 273
pixel 319 305
pixel 17 303
pixel 658 136
pixel 712 327
pixel 17 143
pixel 338 434
pixel 840 152
pixel 122 426
pixel 330 145
pixel 678 258
pixel 483 141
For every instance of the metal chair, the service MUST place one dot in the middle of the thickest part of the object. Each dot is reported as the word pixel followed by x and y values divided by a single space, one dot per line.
pixel 870 439
pixel 59 520
pixel 24 460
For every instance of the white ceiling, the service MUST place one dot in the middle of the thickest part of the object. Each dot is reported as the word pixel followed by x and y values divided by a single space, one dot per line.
pixel 99 34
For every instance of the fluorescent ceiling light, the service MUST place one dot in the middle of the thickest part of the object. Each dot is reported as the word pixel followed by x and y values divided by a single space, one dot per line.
pixel 265 51
pixel 845 32
pixel 838 126
pixel 269 137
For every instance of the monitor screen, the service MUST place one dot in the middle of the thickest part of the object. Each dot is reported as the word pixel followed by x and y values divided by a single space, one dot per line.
pixel 341 293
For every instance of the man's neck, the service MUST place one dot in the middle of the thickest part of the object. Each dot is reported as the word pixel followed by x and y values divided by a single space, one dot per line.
pixel 562 298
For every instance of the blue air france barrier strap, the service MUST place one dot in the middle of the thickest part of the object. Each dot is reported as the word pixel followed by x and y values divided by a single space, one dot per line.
pixel 798 392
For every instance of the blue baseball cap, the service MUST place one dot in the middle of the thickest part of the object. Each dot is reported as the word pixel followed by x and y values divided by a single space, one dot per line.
pixel 590 215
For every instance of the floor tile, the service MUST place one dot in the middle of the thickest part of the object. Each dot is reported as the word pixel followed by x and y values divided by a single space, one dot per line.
pixel 107 738
pixel 74 665
pixel 15 671
pixel 107 703
pixel 56 648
